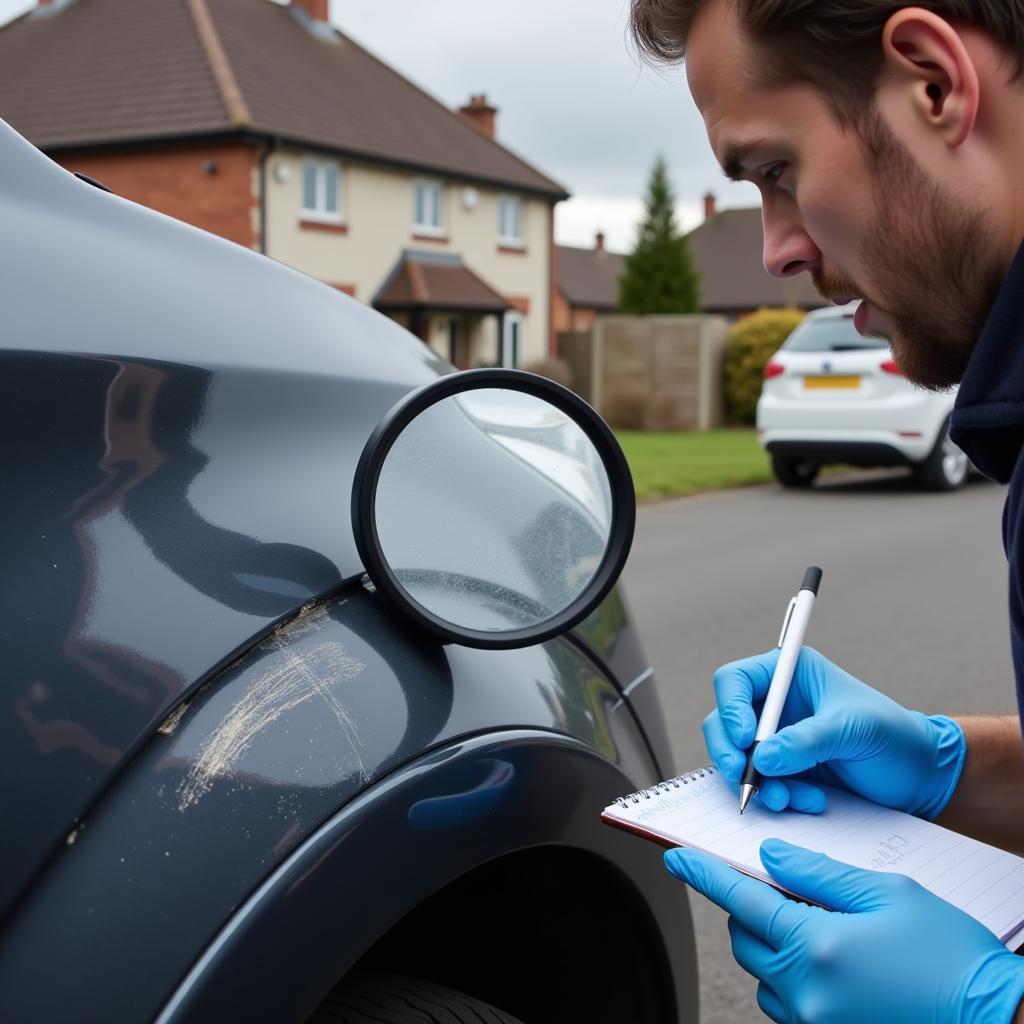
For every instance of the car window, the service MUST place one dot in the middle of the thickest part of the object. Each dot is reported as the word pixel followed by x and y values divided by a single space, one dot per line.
pixel 829 334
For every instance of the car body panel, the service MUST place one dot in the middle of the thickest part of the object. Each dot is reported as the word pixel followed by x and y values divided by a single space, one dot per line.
pixel 198 682
pixel 156 517
pixel 322 710
pixel 324 925
pixel 871 409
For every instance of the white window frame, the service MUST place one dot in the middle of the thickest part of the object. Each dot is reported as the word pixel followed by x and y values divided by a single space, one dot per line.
pixel 507 201
pixel 319 210
pixel 430 187
pixel 510 355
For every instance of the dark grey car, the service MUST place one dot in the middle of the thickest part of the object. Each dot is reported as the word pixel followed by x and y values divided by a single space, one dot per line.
pixel 237 784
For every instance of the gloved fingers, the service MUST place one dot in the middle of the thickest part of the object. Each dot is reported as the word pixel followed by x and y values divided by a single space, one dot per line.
pixel 805 797
pixel 774 795
pixel 751 953
pixel 770 1004
pixel 803 745
pixel 820 879
pixel 727 757
pixel 756 905
pixel 737 685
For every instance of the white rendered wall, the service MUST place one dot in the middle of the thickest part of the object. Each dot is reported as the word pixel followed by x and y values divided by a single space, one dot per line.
pixel 377 210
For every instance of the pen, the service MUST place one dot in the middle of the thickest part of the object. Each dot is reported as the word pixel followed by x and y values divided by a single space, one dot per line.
pixel 791 639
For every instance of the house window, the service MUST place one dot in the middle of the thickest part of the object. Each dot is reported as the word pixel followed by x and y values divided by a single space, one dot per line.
pixel 510 220
pixel 511 340
pixel 321 190
pixel 428 216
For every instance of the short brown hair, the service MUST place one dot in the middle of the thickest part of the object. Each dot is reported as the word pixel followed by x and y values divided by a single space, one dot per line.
pixel 834 45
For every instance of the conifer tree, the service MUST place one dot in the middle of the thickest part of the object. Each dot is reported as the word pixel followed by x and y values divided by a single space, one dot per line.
pixel 659 275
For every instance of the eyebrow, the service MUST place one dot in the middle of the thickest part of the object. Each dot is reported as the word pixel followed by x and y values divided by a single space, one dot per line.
pixel 734 156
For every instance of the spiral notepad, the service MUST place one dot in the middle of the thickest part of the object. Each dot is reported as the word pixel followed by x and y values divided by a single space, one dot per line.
pixel 699 810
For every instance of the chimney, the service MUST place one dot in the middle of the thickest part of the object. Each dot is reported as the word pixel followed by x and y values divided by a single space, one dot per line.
pixel 480 113
pixel 318 10
pixel 709 206
pixel 599 242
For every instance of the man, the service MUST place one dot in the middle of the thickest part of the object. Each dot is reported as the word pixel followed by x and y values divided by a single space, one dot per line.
pixel 888 145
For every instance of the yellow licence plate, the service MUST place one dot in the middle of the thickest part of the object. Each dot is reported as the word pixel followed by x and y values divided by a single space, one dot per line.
pixel 831 382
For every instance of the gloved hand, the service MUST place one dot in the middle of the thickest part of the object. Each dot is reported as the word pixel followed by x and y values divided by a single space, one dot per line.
pixel 889 951
pixel 836 730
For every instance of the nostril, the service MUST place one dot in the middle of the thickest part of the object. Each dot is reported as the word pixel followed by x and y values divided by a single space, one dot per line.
pixel 793 267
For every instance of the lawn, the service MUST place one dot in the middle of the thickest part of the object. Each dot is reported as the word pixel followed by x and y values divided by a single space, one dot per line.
pixel 671 464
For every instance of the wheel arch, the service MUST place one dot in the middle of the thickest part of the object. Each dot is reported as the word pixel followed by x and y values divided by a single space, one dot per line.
pixel 321 913
pixel 557 907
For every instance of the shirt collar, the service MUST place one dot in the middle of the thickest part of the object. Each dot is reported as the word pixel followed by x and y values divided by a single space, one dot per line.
pixel 988 417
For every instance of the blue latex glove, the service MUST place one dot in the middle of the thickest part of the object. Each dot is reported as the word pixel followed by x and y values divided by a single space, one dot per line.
pixel 890 951
pixel 836 730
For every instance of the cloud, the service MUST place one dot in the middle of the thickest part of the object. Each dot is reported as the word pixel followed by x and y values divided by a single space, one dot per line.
pixel 578 220
pixel 573 100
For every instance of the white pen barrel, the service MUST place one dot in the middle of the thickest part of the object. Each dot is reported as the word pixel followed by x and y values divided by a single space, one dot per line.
pixel 784 668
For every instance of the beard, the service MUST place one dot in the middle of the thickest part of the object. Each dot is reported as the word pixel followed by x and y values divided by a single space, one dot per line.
pixel 934 259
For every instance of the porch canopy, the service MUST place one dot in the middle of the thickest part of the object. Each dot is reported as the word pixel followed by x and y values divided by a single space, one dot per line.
pixel 427 282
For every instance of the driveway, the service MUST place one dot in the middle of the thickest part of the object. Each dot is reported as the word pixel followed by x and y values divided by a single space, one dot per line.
pixel 912 601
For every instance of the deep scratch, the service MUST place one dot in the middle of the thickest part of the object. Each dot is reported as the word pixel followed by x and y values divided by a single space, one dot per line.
pixel 295 680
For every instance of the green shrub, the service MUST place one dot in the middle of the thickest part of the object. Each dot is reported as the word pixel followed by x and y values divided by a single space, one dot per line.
pixel 751 343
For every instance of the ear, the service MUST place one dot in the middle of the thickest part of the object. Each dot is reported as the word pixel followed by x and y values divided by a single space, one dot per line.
pixel 924 53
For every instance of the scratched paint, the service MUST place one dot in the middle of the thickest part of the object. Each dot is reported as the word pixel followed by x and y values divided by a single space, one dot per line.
pixel 170 723
pixel 302 672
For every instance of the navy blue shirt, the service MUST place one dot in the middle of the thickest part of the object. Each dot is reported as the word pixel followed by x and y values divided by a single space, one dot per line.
pixel 988 424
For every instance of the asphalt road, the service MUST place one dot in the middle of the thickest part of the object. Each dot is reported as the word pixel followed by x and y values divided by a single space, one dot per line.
pixel 912 601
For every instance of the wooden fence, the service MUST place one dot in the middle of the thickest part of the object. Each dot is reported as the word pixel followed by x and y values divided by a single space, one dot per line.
pixel 650 372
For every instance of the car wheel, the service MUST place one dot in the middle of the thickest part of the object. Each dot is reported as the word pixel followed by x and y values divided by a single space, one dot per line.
pixel 794 472
pixel 378 998
pixel 946 467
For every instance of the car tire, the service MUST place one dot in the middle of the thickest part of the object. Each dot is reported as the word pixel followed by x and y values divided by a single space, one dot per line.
pixel 379 998
pixel 946 467
pixel 794 472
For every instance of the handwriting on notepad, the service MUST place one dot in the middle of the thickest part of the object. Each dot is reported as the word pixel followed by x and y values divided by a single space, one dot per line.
pixel 890 852
pixel 699 810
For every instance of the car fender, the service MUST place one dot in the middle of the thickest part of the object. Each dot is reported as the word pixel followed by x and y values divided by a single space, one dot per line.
pixel 276 772
pixel 311 920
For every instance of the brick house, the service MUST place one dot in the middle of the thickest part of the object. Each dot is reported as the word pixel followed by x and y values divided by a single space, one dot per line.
pixel 262 123
pixel 587 285
pixel 727 250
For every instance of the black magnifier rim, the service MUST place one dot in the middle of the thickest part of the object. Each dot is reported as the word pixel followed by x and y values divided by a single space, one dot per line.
pixel 367 475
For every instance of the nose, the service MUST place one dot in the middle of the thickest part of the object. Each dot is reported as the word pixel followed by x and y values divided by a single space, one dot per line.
pixel 788 249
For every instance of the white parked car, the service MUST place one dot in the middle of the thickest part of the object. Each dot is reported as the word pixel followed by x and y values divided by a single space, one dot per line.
pixel 831 395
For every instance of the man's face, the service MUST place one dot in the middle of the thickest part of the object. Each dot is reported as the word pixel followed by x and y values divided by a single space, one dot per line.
pixel 851 207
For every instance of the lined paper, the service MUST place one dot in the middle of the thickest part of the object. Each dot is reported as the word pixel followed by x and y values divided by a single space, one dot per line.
pixel 702 812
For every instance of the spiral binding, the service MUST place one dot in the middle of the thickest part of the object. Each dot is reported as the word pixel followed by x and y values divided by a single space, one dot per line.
pixel 664 787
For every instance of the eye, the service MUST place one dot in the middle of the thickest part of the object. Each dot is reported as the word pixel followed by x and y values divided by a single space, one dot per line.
pixel 773 173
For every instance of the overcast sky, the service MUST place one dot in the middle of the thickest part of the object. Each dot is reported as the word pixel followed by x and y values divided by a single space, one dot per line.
pixel 572 99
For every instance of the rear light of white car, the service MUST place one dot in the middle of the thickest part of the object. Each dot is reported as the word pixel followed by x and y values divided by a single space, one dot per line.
pixel 890 367
pixel 773 370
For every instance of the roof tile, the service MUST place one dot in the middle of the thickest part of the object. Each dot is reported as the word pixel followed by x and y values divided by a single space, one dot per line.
pixel 155 79
pixel 728 252
pixel 440 283
pixel 104 71
pixel 590 277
